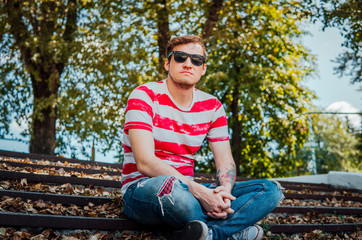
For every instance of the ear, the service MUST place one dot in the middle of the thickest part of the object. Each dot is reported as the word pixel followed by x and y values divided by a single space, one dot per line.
pixel 167 65
pixel 203 69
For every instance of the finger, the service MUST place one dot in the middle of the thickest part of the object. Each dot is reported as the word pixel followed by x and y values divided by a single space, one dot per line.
pixel 222 207
pixel 229 210
pixel 222 215
pixel 227 195
pixel 217 209
pixel 219 189
pixel 227 203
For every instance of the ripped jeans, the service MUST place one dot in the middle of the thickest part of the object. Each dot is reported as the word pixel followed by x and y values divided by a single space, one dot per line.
pixel 167 200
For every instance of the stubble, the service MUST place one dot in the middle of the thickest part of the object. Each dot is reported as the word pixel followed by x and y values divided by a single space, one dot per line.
pixel 180 83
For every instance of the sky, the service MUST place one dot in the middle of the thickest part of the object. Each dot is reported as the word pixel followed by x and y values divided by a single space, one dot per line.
pixel 334 93
pixel 329 87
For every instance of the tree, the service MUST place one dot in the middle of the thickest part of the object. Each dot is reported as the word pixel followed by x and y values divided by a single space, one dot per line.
pixel 43 70
pixel 153 19
pixel 60 66
pixel 255 67
pixel 347 17
pixel 70 65
pixel 336 146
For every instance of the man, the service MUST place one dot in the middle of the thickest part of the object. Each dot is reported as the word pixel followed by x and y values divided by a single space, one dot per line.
pixel 166 122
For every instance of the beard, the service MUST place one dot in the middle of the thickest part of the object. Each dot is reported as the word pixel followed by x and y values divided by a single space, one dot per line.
pixel 181 83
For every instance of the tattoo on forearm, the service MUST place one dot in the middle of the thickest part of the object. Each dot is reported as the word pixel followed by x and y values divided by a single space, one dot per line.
pixel 218 177
pixel 229 175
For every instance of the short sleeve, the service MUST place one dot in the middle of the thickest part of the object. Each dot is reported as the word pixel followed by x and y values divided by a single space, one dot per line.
pixel 219 125
pixel 139 110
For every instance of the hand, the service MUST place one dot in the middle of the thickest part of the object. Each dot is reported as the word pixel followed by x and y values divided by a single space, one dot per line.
pixel 226 208
pixel 227 194
pixel 212 201
pixel 223 211
pixel 227 197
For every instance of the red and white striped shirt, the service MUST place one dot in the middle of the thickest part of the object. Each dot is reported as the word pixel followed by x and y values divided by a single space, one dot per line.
pixel 178 132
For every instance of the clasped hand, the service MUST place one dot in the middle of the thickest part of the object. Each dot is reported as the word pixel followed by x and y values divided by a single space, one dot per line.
pixel 218 203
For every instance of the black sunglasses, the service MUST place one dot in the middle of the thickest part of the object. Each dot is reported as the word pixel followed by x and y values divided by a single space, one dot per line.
pixel 181 57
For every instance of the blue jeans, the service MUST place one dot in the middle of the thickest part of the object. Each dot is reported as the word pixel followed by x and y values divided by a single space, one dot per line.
pixel 167 200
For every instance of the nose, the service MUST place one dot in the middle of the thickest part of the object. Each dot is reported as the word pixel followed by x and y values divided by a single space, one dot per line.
pixel 187 63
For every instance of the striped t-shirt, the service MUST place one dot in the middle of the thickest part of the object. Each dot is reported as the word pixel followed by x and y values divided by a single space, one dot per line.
pixel 178 132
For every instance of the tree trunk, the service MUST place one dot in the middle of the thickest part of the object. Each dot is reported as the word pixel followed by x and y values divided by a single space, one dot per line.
pixel 44 70
pixel 43 133
pixel 235 137
pixel 163 34
pixel 45 92
pixel 212 18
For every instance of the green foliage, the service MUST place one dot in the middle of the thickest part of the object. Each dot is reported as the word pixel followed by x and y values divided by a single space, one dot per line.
pixel 255 67
pixel 336 146
pixel 81 41
pixel 347 17
pixel 98 79
pixel 15 92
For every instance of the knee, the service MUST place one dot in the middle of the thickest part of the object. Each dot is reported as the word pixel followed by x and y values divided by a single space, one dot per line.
pixel 187 211
pixel 183 206
pixel 185 202
pixel 275 190
pixel 159 185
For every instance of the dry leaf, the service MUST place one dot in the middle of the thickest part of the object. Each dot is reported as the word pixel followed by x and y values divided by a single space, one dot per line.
pixel 24 182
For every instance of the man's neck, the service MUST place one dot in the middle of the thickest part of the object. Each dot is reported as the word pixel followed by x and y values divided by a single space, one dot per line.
pixel 183 96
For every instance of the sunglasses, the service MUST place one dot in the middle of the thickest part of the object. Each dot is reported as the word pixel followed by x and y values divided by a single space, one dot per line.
pixel 181 57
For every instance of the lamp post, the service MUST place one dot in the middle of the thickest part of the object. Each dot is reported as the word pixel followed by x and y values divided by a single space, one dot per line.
pixel 312 165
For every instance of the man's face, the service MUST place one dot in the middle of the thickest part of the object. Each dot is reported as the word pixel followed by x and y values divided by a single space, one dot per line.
pixel 185 74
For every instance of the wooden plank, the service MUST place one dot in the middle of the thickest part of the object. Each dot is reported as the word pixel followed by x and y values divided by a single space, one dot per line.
pixel 56 198
pixel 59 179
pixel 54 158
pixel 322 197
pixel 68 169
pixel 299 228
pixel 316 189
pixel 67 222
pixel 319 210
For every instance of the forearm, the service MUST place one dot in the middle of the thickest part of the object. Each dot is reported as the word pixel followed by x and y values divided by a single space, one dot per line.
pixel 154 167
pixel 226 176
pixel 225 165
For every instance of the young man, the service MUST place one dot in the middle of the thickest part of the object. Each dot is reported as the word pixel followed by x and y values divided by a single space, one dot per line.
pixel 166 122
